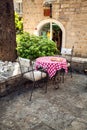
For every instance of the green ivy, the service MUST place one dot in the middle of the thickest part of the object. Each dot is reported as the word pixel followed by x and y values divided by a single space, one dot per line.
pixel 31 46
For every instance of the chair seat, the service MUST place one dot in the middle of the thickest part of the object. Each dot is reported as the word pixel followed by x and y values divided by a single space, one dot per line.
pixel 35 75
pixel 68 64
pixel 85 70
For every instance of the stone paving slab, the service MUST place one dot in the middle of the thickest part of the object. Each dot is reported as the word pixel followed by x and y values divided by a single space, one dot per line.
pixel 61 109
pixel 42 126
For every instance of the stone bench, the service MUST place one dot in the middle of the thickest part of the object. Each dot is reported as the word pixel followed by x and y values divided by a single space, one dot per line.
pixel 79 64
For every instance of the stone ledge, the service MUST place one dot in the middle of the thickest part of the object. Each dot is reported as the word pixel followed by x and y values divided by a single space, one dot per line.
pixel 8 84
pixel 79 60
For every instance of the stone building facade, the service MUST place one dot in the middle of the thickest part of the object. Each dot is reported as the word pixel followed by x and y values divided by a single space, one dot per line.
pixel 7 31
pixel 69 15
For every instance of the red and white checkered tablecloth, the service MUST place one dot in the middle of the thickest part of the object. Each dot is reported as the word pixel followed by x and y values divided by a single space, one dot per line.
pixel 51 65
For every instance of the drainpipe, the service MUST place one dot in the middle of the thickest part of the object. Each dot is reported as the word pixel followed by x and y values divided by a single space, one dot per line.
pixel 51 31
pixel 50 10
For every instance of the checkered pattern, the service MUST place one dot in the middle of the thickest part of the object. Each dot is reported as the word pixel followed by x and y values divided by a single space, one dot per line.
pixel 51 66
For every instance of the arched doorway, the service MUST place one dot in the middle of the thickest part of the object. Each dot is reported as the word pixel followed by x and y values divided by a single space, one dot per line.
pixel 53 32
pixel 52 29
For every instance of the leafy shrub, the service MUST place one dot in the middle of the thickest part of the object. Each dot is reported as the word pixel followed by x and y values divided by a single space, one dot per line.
pixel 32 46
pixel 18 23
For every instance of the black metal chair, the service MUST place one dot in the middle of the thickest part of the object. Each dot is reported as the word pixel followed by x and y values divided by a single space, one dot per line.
pixel 68 54
pixel 30 73
pixel 56 79
pixel 85 67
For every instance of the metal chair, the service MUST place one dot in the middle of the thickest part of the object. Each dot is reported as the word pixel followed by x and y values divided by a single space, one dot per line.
pixel 30 73
pixel 56 79
pixel 85 67
pixel 68 54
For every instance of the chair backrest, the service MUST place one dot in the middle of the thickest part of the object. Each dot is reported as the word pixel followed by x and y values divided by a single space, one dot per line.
pixel 67 52
pixel 24 64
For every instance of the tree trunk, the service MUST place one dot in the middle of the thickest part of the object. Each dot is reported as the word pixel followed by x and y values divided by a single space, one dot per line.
pixel 7 31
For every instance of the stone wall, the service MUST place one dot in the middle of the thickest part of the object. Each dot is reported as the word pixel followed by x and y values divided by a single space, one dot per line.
pixel 72 14
pixel 7 31
pixel 10 75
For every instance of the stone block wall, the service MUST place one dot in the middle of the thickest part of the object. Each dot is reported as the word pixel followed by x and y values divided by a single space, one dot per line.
pixel 72 14
pixel 10 85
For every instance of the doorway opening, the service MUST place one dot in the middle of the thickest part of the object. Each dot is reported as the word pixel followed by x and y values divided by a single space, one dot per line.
pixel 52 25
pixel 53 32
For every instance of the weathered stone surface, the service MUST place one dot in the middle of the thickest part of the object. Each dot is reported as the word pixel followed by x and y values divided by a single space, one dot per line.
pixel 78 125
pixel 61 109
pixel 10 75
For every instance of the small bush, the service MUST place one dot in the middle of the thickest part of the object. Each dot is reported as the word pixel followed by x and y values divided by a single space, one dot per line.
pixel 31 46
pixel 18 24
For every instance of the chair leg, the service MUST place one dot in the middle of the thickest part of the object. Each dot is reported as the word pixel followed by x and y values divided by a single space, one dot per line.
pixel 46 86
pixel 32 90
pixel 56 80
pixel 71 71
pixel 71 74
pixel 62 73
pixel 63 77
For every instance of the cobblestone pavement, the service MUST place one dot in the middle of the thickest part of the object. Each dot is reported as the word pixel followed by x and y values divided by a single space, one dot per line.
pixel 58 109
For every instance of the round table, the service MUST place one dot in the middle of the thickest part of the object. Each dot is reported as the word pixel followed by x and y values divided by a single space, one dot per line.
pixel 51 64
